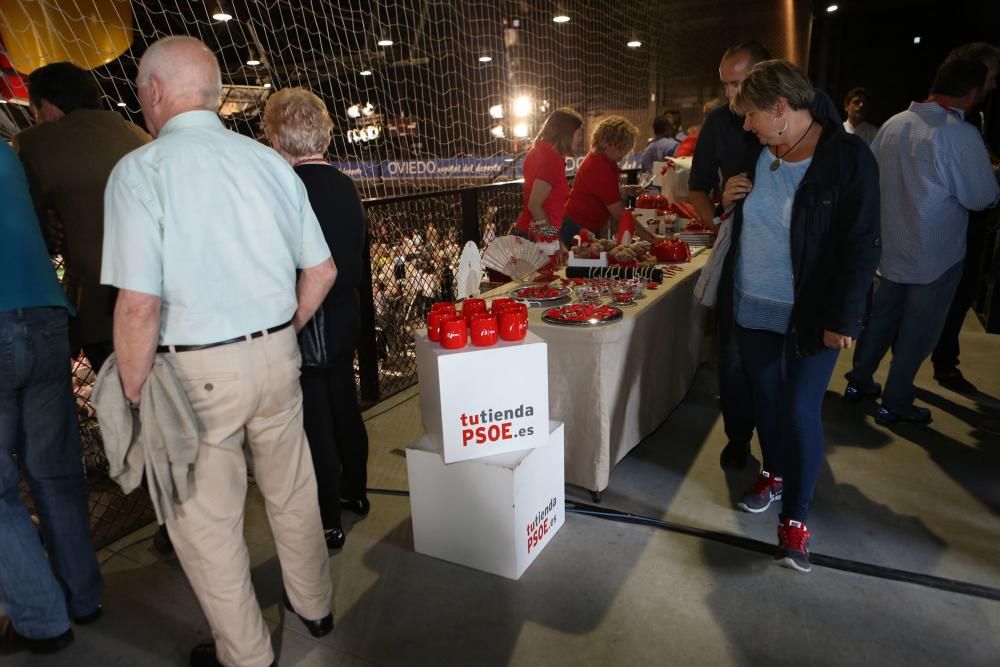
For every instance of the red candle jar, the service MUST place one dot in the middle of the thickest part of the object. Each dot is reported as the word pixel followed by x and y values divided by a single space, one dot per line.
pixel 446 306
pixel 434 319
pixel 513 324
pixel 484 330
pixel 473 306
pixel 453 332
pixel 500 303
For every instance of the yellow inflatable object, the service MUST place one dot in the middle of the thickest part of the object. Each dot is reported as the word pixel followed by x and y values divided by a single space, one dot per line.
pixel 89 33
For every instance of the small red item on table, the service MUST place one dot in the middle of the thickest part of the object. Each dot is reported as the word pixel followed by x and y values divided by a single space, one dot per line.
pixel 652 285
pixel 581 313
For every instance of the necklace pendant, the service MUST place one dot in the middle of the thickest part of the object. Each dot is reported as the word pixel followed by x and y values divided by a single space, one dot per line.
pixel 776 164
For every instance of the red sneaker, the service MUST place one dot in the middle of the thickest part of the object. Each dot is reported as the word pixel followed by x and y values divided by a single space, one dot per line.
pixel 762 493
pixel 793 543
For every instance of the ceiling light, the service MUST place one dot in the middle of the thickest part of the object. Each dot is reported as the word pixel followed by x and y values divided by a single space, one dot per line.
pixel 916 40
pixel 220 14
pixel 485 59
pixel 253 61
pixel 520 130
pixel 496 111
pixel 365 72
pixel 831 9
pixel 634 44
pixel 385 42
pixel 497 131
pixel 367 109
pixel 354 111
pixel 522 106
pixel 560 18
pixel 267 84
pixel 121 104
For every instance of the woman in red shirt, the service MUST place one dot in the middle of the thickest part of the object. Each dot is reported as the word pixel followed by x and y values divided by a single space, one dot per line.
pixel 545 186
pixel 596 195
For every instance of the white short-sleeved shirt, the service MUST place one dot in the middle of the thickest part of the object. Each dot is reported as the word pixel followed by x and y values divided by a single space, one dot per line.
pixel 215 224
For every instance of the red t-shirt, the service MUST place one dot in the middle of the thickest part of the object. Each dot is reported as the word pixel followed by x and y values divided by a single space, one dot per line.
pixel 686 149
pixel 594 189
pixel 546 163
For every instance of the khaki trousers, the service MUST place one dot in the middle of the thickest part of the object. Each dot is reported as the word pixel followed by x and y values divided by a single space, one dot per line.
pixel 248 394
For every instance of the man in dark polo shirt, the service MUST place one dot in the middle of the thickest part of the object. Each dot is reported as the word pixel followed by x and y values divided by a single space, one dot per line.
pixel 68 157
pixel 718 155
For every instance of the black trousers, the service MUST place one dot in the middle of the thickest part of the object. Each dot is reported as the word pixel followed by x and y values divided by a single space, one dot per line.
pixel 945 355
pixel 337 436
pixel 735 395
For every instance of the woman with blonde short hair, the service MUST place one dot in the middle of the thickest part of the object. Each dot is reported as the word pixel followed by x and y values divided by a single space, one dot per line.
pixel 596 195
pixel 298 126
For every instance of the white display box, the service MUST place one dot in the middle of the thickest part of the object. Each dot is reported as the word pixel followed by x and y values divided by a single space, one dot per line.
pixel 598 263
pixel 494 514
pixel 483 401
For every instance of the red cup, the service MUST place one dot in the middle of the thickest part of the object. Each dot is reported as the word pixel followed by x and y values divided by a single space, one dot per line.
pixel 513 324
pixel 446 306
pixel 484 330
pixel 473 306
pixel 434 319
pixel 453 333
pixel 500 303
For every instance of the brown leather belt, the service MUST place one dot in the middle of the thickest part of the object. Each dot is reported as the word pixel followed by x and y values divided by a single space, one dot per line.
pixel 239 339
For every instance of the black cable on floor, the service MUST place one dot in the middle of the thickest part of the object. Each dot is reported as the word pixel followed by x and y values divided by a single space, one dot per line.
pixel 750 544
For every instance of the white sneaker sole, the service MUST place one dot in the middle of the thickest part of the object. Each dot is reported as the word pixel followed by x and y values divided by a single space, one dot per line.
pixel 746 508
pixel 792 565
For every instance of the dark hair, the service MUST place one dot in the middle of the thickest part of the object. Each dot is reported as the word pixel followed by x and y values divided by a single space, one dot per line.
pixel 758 52
pixel 663 126
pixel 981 51
pixel 560 128
pixel 856 92
pixel 65 86
pixel 957 77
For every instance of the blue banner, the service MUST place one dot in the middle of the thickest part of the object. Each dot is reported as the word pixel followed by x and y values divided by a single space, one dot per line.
pixel 457 168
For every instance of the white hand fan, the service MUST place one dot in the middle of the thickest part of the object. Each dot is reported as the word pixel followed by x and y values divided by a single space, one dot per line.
pixel 470 272
pixel 514 256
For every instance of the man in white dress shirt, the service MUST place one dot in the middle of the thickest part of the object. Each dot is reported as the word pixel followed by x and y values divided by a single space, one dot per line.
pixel 856 105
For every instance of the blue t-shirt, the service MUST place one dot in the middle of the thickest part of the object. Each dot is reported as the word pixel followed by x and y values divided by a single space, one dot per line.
pixel 656 151
pixel 764 294
pixel 27 278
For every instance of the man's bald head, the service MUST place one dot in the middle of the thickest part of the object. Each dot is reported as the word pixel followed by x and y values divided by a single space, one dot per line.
pixel 177 74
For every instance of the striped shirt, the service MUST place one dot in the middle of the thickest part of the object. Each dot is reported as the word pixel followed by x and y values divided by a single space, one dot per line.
pixel 933 170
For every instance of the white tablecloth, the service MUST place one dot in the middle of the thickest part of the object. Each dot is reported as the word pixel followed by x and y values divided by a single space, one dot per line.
pixel 614 384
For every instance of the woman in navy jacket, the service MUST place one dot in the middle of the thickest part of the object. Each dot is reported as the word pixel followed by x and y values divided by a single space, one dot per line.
pixel 796 280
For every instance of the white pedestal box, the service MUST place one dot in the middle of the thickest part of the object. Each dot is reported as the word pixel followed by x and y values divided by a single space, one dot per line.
pixel 494 514
pixel 483 401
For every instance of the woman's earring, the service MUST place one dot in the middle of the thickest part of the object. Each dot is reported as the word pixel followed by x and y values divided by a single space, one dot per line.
pixel 775 125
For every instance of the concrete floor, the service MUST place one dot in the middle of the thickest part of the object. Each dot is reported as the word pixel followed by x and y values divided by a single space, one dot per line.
pixel 923 499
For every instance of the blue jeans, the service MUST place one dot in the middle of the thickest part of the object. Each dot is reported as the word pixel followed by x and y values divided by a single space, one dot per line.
pixel 908 318
pixel 788 400
pixel 38 423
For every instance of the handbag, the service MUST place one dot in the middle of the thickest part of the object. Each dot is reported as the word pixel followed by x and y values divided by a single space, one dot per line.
pixel 312 341
pixel 706 290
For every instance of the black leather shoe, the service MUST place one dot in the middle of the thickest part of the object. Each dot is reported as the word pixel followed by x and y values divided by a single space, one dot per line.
pixel 361 507
pixel 12 642
pixel 335 538
pixel 316 628
pixel 734 455
pixel 203 655
pixel 953 379
pixel 89 618
pixel 856 393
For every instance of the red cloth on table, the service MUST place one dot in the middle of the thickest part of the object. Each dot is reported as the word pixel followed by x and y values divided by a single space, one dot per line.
pixel 594 189
pixel 545 163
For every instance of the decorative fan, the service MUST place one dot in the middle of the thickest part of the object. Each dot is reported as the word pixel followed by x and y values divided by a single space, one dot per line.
pixel 470 272
pixel 514 257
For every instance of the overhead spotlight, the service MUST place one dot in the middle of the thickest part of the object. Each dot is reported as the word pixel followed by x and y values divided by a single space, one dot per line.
pixel 832 8
pixel 560 18
pixel 385 42
pixel 252 59
pixel 121 104
pixel 496 111
pixel 354 111
pixel 520 130
pixel 365 72
pixel 634 44
pixel 497 131
pixel 522 106
pixel 220 14
pixel 267 84
pixel 367 109
pixel 485 59
pixel 916 40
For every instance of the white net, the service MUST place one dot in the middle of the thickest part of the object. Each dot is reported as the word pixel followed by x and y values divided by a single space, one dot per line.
pixel 408 115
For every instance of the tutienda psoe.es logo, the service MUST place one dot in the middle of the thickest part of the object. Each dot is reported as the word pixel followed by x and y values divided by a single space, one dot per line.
pixel 492 426
pixel 540 526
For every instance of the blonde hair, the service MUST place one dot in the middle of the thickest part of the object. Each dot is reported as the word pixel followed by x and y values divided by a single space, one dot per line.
pixel 770 80
pixel 614 131
pixel 299 121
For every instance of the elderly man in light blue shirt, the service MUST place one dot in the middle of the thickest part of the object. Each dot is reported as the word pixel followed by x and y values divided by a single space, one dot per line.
pixel 934 169
pixel 205 232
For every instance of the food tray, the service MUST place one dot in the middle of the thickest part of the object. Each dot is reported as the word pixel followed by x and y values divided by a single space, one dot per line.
pixel 615 317
pixel 525 294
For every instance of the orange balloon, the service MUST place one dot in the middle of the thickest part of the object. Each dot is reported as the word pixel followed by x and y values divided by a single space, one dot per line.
pixel 89 33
